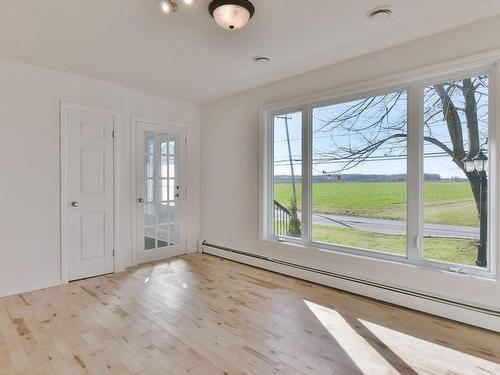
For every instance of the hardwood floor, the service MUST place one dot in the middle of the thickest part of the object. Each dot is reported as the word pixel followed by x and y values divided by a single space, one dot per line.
pixel 199 314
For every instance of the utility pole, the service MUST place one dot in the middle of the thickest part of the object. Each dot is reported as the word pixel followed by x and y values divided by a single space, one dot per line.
pixel 286 118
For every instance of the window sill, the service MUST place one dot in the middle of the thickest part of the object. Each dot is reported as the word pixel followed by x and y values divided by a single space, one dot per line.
pixel 333 252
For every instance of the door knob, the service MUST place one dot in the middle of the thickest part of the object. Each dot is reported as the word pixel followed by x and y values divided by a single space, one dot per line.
pixel 75 203
pixel 140 200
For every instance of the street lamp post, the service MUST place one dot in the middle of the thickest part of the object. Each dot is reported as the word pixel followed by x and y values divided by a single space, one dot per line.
pixel 479 164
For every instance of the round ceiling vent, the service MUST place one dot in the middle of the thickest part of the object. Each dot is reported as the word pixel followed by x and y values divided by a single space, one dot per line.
pixel 261 59
pixel 380 14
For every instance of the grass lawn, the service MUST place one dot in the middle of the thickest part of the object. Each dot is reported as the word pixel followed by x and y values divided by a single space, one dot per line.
pixel 444 249
pixel 445 202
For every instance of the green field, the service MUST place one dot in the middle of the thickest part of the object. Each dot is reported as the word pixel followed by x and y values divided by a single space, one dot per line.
pixel 452 250
pixel 444 202
pixel 449 203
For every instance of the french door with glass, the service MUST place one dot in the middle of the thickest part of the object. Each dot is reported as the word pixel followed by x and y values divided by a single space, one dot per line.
pixel 160 191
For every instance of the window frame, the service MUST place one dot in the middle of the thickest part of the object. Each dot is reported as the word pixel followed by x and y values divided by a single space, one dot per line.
pixel 414 87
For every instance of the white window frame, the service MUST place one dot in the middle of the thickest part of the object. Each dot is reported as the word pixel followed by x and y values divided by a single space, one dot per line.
pixel 413 83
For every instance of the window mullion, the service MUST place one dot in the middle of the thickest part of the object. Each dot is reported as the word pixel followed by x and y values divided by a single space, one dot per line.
pixel 269 130
pixel 415 172
pixel 494 168
pixel 306 173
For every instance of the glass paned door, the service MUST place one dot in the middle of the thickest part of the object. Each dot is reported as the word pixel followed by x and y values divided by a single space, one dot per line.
pixel 160 192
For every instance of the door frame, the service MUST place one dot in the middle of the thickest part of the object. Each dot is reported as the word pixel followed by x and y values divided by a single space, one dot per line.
pixel 133 173
pixel 64 107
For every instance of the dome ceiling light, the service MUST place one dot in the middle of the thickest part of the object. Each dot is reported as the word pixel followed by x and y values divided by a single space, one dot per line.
pixel 229 14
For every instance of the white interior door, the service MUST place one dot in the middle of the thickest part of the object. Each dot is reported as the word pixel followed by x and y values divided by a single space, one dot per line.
pixel 90 193
pixel 160 191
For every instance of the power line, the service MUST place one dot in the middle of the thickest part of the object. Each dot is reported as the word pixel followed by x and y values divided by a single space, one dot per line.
pixel 368 159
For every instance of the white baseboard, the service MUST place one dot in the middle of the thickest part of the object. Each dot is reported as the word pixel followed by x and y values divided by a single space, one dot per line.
pixel 444 310
pixel 17 289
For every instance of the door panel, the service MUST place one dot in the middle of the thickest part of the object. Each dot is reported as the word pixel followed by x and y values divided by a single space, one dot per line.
pixel 92 179
pixel 90 193
pixel 160 192
pixel 93 237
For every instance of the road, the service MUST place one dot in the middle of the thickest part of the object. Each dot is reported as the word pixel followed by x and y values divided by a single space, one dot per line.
pixel 394 226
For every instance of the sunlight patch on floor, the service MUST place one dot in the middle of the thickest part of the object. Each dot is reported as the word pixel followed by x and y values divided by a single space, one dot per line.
pixel 373 347
pixel 412 349
pixel 362 354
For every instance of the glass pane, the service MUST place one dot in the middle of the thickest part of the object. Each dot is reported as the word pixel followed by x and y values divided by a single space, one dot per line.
pixel 164 168
pixel 173 212
pixel 163 140
pixel 168 212
pixel 149 214
pixel 455 200
pixel 150 165
pixel 149 192
pixel 149 238
pixel 163 213
pixel 171 189
pixel 164 190
pixel 149 142
pixel 172 167
pixel 359 173
pixel 163 236
pixel 172 145
pixel 287 166
pixel 168 167
pixel 174 233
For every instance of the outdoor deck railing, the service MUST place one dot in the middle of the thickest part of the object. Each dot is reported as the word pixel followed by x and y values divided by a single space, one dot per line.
pixel 281 219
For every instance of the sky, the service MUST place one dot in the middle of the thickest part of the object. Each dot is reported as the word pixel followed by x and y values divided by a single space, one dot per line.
pixel 356 132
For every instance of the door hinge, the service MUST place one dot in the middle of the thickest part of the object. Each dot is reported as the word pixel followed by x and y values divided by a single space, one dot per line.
pixel 113 252
pixel 185 140
pixel 113 134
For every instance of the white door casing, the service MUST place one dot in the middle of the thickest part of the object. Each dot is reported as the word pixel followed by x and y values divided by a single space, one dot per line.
pixel 160 190
pixel 88 191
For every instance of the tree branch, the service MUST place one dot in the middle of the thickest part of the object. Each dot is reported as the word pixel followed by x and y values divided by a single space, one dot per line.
pixel 469 92
pixel 452 121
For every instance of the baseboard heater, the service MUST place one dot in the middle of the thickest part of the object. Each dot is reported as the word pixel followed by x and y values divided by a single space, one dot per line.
pixel 357 280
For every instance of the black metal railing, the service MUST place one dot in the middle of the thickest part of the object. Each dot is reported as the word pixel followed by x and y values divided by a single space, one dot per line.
pixel 281 219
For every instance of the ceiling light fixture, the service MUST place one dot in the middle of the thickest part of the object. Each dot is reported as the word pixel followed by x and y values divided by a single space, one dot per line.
pixel 231 14
pixel 168 6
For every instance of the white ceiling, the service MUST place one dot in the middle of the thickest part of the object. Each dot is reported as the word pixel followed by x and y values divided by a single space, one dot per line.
pixel 187 56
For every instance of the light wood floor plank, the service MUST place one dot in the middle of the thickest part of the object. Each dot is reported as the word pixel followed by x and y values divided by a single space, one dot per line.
pixel 201 315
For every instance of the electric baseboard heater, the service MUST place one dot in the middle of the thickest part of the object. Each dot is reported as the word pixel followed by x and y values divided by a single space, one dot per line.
pixel 356 280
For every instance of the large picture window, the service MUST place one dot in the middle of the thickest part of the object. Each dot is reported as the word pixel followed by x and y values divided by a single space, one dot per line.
pixel 402 174
pixel 359 173
pixel 455 199
pixel 287 167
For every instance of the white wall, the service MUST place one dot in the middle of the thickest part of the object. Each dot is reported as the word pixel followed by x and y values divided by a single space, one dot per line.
pixel 30 169
pixel 230 163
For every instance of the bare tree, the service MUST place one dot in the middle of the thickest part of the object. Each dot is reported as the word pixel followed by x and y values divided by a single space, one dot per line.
pixel 377 127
